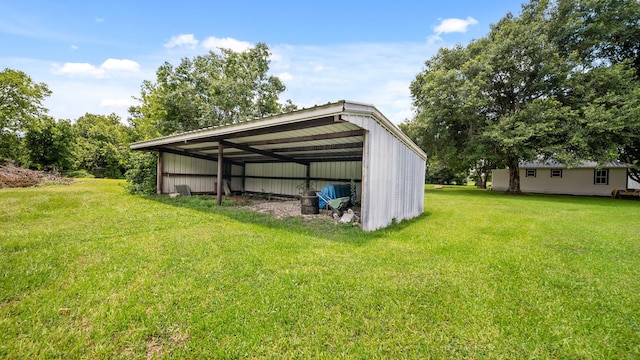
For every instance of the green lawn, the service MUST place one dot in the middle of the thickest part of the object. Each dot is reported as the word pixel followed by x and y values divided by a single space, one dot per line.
pixel 88 271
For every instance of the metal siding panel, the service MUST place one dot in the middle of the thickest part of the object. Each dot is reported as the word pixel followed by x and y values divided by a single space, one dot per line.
pixel 186 165
pixel 165 185
pixel 250 185
pixel 388 184
pixel 251 169
pixel 178 164
pixel 236 184
pixel 236 170
pixel 168 162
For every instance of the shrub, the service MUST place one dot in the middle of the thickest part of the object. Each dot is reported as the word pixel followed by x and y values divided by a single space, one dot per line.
pixel 141 176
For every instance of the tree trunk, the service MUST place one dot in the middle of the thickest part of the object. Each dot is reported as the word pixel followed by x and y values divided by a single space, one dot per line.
pixel 514 177
pixel 482 181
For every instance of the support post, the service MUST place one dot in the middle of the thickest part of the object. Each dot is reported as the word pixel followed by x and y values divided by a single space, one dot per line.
pixel 219 184
pixel 159 174
pixel 244 176
pixel 307 183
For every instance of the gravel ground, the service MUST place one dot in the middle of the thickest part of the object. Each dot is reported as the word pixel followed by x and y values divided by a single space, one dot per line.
pixel 280 209
pixel 285 208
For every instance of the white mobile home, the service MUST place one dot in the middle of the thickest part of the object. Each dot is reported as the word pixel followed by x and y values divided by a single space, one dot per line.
pixel 338 143
pixel 554 178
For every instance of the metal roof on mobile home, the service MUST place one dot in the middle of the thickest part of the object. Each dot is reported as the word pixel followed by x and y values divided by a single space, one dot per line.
pixel 392 170
pixel 550 164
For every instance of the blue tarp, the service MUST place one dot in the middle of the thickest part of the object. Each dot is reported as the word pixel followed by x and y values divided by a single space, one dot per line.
pixel 333 192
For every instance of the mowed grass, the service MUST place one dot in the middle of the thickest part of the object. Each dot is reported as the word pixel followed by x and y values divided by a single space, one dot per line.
pixel 88 271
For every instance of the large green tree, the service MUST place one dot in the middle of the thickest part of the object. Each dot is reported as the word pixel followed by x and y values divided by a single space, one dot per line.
pixel 209 90
pixel 102 145
pixel 20 104
pixel 515 95
pixel 50 143
pixel 606 33
pixel 447 123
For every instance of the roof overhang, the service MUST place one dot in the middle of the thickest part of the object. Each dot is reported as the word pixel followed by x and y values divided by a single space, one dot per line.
pixel 303 136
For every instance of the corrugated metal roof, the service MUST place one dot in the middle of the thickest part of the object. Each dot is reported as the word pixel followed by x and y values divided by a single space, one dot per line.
pixel 314 134
pixel 551 164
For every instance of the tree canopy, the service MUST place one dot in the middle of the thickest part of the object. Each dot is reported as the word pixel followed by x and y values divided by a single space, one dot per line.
pixel 208 90
pixel 50 143
pixel 102 145
pixel 20 104
pixel 525 92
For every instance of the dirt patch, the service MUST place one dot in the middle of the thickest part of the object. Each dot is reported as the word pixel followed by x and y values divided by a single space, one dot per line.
pixel 290 208
pixel 280 209
pixel 12 176
pixel 154 348
pixel 179 339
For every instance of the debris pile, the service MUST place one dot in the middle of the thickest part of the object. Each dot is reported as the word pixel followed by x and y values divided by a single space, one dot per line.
pixel 350 216
pixel 12 176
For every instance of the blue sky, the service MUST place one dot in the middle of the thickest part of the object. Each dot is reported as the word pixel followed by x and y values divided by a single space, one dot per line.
pixel 95 55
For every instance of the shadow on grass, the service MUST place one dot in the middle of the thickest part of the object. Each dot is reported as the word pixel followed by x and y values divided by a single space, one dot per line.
pixel 471 192
pixel 320 227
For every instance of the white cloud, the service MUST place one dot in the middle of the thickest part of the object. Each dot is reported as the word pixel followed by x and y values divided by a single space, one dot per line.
pixel 318 68
pixel 285 76
pixel 107 68
pixel 275 57
pixel 78 69
pixel 120 65
pixel 213 43
pixel 433 40
pixel 99 20
pixel 74 47
pixel 452 25
pixel 184 40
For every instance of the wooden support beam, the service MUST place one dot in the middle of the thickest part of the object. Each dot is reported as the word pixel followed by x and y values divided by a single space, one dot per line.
pixel 219 184
pixel 261 152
